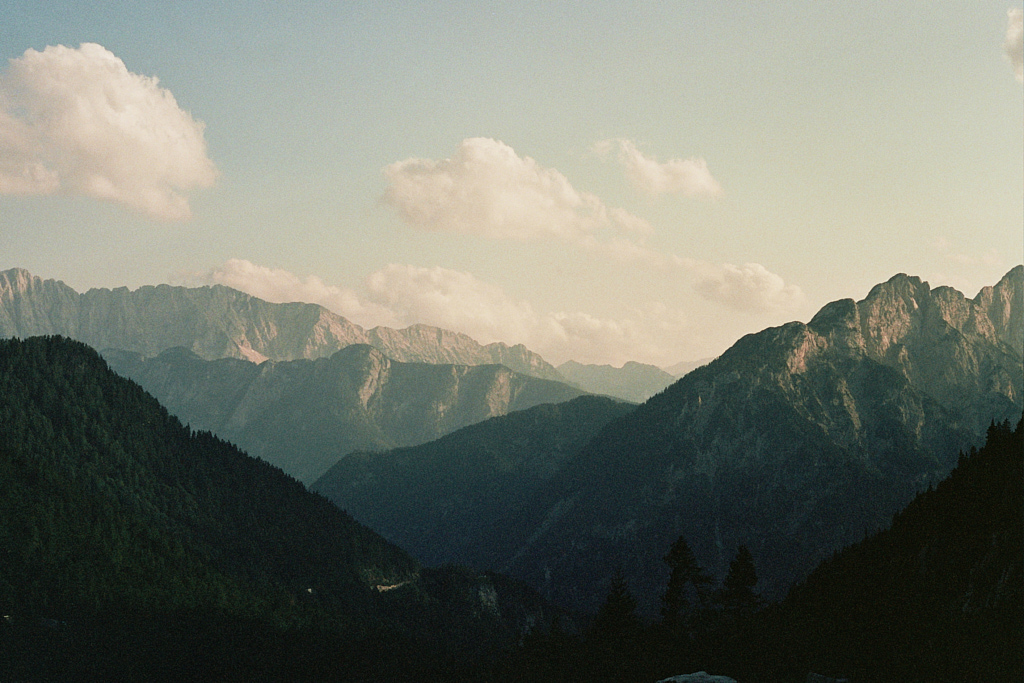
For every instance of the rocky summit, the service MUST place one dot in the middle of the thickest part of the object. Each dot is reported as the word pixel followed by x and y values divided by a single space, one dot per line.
pixel 795 442
pixel 220 322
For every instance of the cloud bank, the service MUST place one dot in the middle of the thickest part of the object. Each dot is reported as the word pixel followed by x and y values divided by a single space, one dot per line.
pixel 750 288
pixel 77 121
pixel 281 286
pixel 487 189
pixel 688 177
pixel 1013 44
pixel 402 295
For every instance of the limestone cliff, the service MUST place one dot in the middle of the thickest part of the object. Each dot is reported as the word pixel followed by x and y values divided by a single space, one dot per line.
pixel 795 442
pixel 220 322
pixel 304 415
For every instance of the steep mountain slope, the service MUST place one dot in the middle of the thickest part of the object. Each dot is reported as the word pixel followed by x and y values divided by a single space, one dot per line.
pixel 304 415
pixel 794 442
pixel 219 322
pixel 946 581
pixel 135 549
pixel 443 501
pixel 634 381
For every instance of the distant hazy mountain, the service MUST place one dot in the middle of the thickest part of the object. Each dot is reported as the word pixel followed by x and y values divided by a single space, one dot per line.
pixel 135 549
pixel 634 381
pixel 680 369
pixel 460 499
pixel 304 415
pixel 795 442
pixel 219 322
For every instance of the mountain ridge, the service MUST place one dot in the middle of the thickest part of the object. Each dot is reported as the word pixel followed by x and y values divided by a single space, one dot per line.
pixel 216 321
pixel 794 442
pixel 634 381
pixel 303 415
pixel 136 548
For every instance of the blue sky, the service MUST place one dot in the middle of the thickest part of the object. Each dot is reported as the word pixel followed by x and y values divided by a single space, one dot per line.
pixel 600 181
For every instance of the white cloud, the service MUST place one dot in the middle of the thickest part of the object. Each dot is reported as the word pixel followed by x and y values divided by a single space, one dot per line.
pixel 750 288
pixel 77 121
pixel 402 295
pixel 1014 42
pixel 452 300
pixel 485 188
pixel 461 301
pixel 689 177
pixel 281 286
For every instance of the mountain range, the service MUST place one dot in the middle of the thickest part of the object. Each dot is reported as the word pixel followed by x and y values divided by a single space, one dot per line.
pixel 444 501
pixel 219 322
pixel 137 548
pixel 304 415
pixel 795 442
pixel 634 381
pixel 134 548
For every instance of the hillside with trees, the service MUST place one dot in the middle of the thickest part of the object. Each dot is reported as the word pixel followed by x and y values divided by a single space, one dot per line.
pixel 939 596
pixel 132 548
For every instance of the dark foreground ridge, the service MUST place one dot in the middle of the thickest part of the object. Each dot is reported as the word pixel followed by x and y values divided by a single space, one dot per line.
pixel 132 548
pixel 937 597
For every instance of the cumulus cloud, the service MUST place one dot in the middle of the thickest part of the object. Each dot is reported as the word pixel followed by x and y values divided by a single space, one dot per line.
pixel 281 286
pixel 689 177
pixel 750 287
pixel 485 188
pixel 461 301
pixel 401 295
pixel 1014 41
pixel 450 299
pixel 77 121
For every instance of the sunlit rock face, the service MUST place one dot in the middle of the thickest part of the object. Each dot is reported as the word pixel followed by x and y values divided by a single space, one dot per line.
pixel 220 322
pixel 304 415
pixel 795 442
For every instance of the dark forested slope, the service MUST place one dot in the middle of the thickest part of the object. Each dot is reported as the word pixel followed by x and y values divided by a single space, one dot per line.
pixel 132 548
pixel 463 498
pixel 939 596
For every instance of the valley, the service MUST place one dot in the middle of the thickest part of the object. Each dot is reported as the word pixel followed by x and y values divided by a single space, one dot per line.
pixel 795 443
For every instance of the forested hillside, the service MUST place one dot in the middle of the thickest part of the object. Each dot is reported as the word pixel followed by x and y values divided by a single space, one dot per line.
pixel 132 548
pixel 937 597
pixel 444 500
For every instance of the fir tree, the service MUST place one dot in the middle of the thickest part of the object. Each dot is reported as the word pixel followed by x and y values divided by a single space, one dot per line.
pixel 685 571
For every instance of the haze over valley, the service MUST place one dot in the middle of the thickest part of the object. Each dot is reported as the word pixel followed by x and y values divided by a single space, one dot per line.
pixel 511 342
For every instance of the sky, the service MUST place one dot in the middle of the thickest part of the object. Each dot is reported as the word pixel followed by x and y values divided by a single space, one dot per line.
pixel 600 181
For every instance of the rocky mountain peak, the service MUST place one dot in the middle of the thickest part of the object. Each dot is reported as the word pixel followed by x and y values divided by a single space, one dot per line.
pixel 16 280
pixel 220 322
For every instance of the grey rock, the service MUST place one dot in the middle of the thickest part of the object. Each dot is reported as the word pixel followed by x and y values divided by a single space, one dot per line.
pixel 699 677
pixel 220 322
pixel 304 415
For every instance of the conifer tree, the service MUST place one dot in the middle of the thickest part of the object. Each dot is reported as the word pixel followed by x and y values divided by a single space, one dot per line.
pixel 737 593
pixel 685 571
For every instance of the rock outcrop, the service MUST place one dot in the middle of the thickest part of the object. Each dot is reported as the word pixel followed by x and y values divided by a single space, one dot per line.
pixel 795 442
pixel 220 322
pixel 304 415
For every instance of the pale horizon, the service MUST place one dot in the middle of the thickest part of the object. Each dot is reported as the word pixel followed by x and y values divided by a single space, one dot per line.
pixel 600 183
